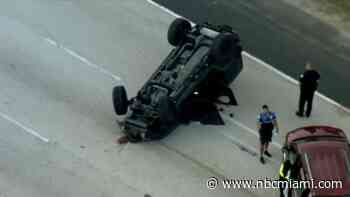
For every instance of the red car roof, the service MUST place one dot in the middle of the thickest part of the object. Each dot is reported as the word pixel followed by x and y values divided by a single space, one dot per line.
pixel 314 131
pixel 325 155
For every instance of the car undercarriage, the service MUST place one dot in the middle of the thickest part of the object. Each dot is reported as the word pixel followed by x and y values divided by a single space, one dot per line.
pixel 205 60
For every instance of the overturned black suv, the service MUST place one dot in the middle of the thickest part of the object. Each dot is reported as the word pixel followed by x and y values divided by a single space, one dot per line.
pixel 187 85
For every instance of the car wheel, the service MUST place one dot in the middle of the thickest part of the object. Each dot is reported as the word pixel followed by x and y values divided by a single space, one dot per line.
pixel 177 31
pixel 224 48
pixel 120 100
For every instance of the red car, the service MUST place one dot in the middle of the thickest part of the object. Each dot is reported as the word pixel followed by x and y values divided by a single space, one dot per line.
pixel 321 154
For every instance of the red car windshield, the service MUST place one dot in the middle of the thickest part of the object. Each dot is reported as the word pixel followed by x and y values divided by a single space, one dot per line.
pixel 326 160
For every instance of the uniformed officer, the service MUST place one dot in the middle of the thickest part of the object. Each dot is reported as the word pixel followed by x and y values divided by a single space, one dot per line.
pixel 267 121
pixel 284 175
pixel 288 170
pixel 308 85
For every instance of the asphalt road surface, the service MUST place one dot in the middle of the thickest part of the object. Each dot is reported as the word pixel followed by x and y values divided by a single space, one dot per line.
pixel 59 61
pixel 281 35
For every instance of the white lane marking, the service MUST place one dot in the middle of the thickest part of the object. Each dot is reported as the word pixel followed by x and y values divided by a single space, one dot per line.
pixel 252 131
pixel 24 128
pixel 294 81
pixel 168 11
pixel 283 75
pixel 261 62
pixel 83 59
pixel 269 67
pixel 239 142
pixel 250 149
pixel 234 121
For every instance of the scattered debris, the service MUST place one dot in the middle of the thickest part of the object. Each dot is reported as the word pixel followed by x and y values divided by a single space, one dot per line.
pixel 82 147
pixel 247 150
pixel 123 140
pixel 232 115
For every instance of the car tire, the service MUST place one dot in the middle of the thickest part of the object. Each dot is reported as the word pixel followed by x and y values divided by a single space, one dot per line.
pixel 177 31
pixel 120 100
pixel 224 48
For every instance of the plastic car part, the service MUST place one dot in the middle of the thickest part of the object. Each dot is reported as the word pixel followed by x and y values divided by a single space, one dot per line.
pixel 120 100
pixel 177 31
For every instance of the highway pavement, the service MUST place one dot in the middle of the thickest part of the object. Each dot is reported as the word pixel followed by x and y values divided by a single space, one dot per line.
pixel 282 35
pixel 59 61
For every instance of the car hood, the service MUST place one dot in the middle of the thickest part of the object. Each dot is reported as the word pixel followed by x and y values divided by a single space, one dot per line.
pixel 327 160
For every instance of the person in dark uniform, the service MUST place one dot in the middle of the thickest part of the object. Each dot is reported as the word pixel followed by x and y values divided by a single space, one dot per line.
pixel 308 85
pixel 267 121
pixel 289 170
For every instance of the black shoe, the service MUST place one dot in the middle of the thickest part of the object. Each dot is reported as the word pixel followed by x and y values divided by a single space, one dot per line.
pixel 307 115
pixel 262 160
pixel 267 154
pixel 299 114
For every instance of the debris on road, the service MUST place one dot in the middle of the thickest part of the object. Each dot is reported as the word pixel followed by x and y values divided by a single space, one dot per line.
pixel 123 140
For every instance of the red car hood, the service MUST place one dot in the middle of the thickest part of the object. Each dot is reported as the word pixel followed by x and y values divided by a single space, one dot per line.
pixel 327 160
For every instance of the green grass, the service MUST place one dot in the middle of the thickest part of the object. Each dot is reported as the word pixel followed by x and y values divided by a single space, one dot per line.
pixel 338 7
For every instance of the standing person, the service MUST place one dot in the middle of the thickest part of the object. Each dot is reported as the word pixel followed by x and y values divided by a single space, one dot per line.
pixel 308 85
pixel 289 170
pixel 267 121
